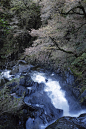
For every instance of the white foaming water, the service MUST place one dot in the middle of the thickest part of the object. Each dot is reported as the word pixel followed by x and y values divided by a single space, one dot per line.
pixel 54 91
pixel 6 74
pixel 56 94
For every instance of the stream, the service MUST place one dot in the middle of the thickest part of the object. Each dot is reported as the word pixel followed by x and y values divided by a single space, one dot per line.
pixel 47 99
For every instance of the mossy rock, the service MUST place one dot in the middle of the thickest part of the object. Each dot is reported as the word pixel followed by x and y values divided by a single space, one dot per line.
pixel 68 123
pixel 9 103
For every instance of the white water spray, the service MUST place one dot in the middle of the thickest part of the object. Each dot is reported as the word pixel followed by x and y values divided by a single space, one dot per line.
pixel 6 74
pixel 54 91
pixel 56 94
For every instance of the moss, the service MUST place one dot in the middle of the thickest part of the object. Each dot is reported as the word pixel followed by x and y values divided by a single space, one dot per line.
pixel 76 72
pixel 8 103
pixel 80 61
pixel 14 80
pixel 81 100
pixel 83 89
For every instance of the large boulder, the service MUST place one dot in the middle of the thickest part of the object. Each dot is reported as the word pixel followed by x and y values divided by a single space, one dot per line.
pixel 41 108
pixel 69 123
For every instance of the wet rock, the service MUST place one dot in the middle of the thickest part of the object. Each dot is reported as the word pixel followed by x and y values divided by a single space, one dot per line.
pixel 34 86
pixel 23 62
pixel 83 99
pixel 12 84
pixel 15 70
pixel 82 118
pixel 76 92
pixel 0 70
pixel 46 80
pixel 10 121
pixel 40 87
pixel 22 90
pixel 19 90
pixel 42 107
pixel 22 81
pixel 83 94
pixel 23 68
pixel 14 89
pixel 69 78
pixel 69 123
pixel 83 103
pixel 28 81
pixel 33 124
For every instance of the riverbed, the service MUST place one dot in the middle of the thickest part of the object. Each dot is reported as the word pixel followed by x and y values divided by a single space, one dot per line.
pixel 49 96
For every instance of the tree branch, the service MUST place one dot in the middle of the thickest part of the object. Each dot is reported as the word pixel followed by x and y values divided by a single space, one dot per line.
pixel 77 7
pixel 79 28
pixel 27 7
pixel 69 52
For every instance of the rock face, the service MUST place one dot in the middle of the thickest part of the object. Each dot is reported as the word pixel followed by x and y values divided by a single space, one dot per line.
pixel 69 123
pixel 42 108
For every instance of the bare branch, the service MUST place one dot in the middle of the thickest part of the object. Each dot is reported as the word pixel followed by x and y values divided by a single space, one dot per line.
pixel 79 28
pixel 69 52
pixel 72 11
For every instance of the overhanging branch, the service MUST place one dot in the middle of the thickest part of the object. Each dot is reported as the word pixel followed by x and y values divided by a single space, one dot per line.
pixel 72 11
pixel 56 44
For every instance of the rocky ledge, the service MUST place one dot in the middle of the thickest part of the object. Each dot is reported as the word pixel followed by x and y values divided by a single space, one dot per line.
pixel 69 123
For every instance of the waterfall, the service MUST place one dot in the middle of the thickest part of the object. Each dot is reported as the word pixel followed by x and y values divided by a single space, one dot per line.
pixel 55 93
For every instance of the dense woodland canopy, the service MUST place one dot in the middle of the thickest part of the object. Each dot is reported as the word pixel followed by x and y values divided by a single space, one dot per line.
pixel 17 18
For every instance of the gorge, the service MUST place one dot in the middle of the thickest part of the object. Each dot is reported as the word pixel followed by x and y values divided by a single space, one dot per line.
pixel 45 100
pixel 42 64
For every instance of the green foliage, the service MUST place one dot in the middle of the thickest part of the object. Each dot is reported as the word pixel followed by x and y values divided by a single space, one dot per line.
pixel 23 15
pixel 5 3
pixel 27 12
pixel 4 31
pixel 77 66
pixel 80 61
pixel 83 89
pixel 4 25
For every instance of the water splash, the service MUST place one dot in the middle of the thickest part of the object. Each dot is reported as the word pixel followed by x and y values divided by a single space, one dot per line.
pixel 56 94
pixel 6 74
pixel 54 91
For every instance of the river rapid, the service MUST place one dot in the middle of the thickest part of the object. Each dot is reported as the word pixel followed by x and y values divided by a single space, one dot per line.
pixel 50 99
